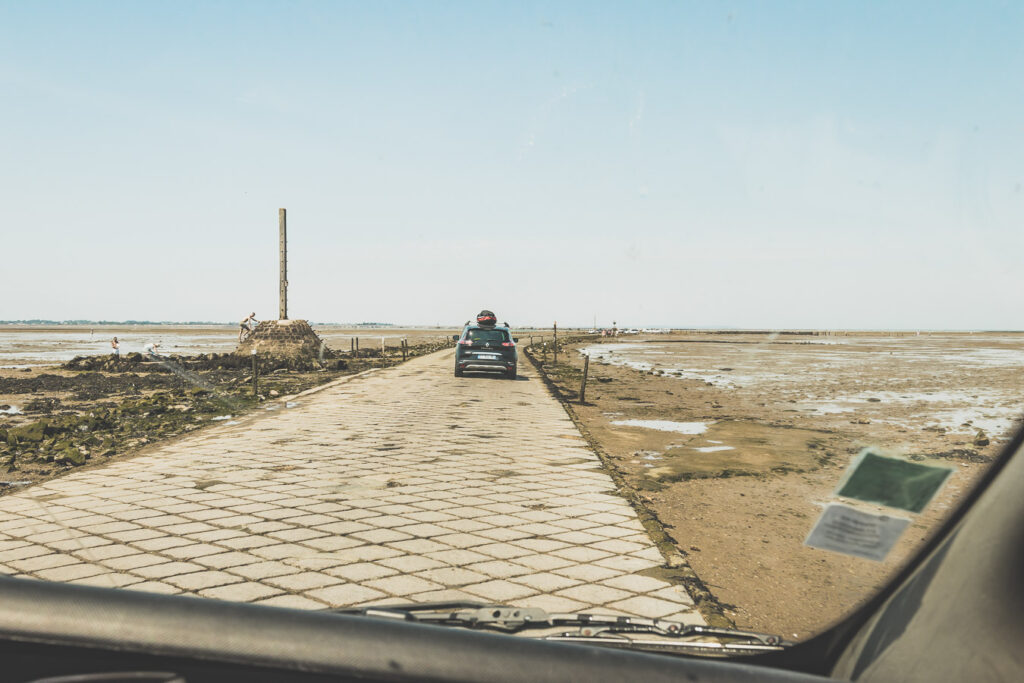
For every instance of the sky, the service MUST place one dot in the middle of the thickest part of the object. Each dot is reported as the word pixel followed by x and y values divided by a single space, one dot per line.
pixel 689 164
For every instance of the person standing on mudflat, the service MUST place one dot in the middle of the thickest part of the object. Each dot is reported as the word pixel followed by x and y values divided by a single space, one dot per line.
pixel 116 346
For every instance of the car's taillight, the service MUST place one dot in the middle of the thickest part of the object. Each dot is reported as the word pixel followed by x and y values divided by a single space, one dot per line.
pixel 508 343
pixel 465 342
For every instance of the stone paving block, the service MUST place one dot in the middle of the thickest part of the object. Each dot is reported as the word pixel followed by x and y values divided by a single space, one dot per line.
pixel 161 543
pixel 291 602
pixel 302 581
pixel 346 594
pixel 203 579
pixel 70 572
pixel 226 560
pixel 674 594
pixel 34 564
pixel 462 540
pixel 107 579
pixel 587 572
pixel 545 582
pixel 645 606
pixel 192 551
pixel 153 587
pixel 240 592
pixel 25 552
pixel 594 594
pixel 379 536
pixel 580 554
pixel 457 558
pixel 634 583
pixel 541 545
pixel 627 564
pixel 162 571
pixel 403 585
pixel 499 590
pixel 361 571
pixel 555 603
pixel 247 542
pixel 264 570
pixel 453 577
pixel 539 561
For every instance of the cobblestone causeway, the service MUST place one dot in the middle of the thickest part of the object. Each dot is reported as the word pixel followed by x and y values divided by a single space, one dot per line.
pixel 403 485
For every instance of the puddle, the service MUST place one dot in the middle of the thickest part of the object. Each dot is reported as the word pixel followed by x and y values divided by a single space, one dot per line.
pixel 755 449
pixel 12 410
pixel 290 404
pixel 221 417
pixel 666 425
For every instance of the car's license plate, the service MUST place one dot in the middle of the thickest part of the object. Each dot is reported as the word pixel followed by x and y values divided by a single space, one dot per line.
pixel 488 356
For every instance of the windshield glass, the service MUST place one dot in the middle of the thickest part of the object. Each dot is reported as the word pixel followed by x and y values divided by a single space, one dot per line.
pixel 761 260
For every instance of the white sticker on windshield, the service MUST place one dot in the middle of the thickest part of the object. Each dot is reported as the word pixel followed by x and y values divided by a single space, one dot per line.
pixel 847 530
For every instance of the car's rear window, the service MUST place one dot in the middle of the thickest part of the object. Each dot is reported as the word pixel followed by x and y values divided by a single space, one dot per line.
pixel 487 335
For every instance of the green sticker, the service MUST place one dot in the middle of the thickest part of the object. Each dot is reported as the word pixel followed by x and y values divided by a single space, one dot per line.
pixel 893 482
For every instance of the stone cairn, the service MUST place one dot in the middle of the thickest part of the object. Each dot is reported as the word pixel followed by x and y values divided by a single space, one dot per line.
pixel 292 340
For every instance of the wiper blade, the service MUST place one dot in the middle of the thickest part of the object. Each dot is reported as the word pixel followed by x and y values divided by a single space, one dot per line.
pixel 594 629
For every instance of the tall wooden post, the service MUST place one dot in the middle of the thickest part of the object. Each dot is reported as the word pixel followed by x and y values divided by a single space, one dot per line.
pixel 554 344
pixel 282 223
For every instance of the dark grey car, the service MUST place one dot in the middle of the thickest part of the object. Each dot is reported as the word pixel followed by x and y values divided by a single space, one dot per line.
pixel 486 349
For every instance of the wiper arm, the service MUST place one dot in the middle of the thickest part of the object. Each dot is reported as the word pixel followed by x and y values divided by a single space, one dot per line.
pixel 597 629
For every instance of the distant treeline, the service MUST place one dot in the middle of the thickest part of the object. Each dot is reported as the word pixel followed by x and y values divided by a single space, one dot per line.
pixel 164 322
pixel 112 322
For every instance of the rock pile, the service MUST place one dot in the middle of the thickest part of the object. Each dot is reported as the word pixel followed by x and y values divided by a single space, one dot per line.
pixel 285 339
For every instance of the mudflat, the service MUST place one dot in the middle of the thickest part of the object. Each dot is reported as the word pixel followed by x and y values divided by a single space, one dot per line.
pixel 735 442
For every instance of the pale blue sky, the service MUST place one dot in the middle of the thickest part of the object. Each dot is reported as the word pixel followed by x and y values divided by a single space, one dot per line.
pixel 769 164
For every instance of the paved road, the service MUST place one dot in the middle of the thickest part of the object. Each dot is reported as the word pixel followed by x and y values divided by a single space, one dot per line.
pixel 404 484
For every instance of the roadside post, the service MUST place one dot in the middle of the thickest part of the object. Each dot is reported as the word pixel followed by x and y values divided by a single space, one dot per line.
pixel 352 344
pixel 255 376
pixel 554 345
pixel 383 348
pixel 405 350
pixel 357 347
pixel 583 383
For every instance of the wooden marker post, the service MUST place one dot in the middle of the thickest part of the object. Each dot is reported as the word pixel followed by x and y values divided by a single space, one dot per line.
pixel 554 345
pixel 405 350
pixel 357 347
pixel 352 344
pixel 255 376
pixel 583 383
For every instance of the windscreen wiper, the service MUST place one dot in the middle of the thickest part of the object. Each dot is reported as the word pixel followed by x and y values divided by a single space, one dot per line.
pixel 637 633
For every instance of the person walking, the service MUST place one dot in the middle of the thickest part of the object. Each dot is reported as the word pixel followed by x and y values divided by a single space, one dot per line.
pixel 116 346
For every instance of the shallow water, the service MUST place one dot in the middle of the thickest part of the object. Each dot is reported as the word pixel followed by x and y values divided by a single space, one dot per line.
pixel 28 347
pixel 666 425
pixel 957 381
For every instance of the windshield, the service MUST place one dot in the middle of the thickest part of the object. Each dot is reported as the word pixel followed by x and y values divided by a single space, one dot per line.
pixel 761 260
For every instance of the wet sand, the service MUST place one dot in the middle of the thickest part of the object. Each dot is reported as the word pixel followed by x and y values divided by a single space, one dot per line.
pixel 735 442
